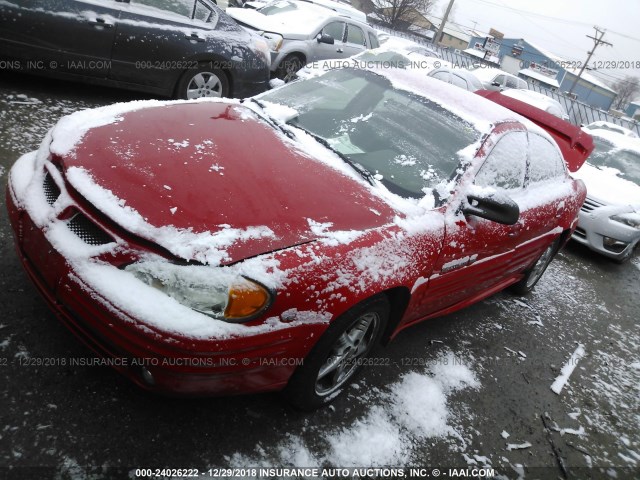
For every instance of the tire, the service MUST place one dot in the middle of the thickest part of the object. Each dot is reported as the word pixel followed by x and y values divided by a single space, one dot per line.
pixel 288 68
pixel 533 275
pixel 206 81
pixel 337 357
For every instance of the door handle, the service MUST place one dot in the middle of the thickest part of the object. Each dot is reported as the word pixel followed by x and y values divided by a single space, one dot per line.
pixel 101 22
pixel 194 37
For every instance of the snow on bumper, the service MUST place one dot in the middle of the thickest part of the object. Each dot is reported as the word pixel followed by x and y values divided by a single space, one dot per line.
pixel 125 321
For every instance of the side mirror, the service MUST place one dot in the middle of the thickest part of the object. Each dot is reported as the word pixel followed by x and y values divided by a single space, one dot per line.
pixel 494 206
pixel 496 84
pixel 324 38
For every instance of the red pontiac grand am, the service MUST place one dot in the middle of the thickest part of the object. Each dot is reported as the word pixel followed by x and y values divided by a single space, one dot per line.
pixel 224 246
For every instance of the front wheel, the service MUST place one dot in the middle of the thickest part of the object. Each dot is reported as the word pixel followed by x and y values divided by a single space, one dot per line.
pixel 288 68
pixel 534 273
pixel 203 82
pixel 338 355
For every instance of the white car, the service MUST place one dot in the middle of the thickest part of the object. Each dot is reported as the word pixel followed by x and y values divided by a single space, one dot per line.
pixel 497 80
pixel 601 125
pixel 539 100
pixel 609 221
pixel 301 32
pixel 459 77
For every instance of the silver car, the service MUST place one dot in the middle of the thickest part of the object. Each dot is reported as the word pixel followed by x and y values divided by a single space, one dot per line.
pixel 609 221
pixel 301 32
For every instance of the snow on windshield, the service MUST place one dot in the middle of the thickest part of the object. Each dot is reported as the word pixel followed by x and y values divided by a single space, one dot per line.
pixel 404 141
pixel 615 152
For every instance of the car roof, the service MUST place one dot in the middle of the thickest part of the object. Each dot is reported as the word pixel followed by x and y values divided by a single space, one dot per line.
pixel 536 99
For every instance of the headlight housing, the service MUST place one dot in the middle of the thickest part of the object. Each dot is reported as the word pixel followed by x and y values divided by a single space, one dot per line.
pixel 274 40
pixel 219 294
pixel 261 47
pixel 631 219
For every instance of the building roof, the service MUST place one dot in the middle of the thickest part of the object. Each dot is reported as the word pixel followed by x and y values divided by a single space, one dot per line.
pixel 540 77
pixel 587 77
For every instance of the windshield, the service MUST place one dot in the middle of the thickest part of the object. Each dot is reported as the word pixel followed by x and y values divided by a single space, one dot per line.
pixel 405 141
pixel 627 162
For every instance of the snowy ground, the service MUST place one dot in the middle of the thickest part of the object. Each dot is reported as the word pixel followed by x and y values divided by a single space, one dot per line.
pixel 471 389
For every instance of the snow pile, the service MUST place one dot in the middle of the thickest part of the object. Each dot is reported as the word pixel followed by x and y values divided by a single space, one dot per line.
pixel 414 407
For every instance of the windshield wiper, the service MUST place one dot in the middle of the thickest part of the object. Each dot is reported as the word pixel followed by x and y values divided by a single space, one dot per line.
pixel 366 174
pixel 275 123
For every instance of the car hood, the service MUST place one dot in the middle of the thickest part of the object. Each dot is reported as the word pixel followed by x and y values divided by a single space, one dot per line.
pixel 605 185
pixel 211 181
pixel 297 25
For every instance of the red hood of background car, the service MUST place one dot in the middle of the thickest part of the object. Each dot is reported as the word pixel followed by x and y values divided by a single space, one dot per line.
pixel 209 166
pixel 575 145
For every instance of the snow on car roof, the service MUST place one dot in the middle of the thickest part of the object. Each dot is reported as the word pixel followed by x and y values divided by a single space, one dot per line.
pixel 536 99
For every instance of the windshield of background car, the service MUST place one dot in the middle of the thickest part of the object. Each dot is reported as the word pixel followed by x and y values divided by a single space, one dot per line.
pixel 278 7
pixel 606 154
pixel 407 142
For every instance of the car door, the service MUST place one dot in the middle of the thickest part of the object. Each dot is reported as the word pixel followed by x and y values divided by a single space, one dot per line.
pixel 156 40
pixel 355 42
pixel 543 201
pixel 477 254
pixel 66 36
pixel 323 51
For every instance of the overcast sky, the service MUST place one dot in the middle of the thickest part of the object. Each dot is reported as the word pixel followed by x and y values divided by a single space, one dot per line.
pixel 560 26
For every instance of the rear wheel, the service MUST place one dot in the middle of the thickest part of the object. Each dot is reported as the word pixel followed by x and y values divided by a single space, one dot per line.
pixel 338 355
pixel 206 81
pixel 533 275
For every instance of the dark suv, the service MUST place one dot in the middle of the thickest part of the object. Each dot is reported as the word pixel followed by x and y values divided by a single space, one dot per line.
pixel 174 48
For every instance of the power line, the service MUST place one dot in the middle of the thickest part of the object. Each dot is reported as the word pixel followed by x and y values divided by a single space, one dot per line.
pixel 597 41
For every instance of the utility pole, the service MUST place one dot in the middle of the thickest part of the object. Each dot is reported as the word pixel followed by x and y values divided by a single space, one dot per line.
pixel 444 20
pixel 597 41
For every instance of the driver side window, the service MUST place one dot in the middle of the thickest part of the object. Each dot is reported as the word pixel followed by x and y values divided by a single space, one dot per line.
pixel 506 165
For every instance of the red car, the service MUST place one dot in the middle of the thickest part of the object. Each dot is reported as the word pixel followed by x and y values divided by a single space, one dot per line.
pixel 218 246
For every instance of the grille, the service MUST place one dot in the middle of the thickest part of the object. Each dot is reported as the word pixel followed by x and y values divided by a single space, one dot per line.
pixel 580 233
pixel 51 190
pixel 590 205
pixel 88 231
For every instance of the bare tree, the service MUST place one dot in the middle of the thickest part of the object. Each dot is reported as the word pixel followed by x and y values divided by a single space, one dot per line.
pixel 627 88
pixel 401 15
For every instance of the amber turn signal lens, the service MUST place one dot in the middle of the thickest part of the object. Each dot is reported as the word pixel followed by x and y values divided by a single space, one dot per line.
pixel 246 300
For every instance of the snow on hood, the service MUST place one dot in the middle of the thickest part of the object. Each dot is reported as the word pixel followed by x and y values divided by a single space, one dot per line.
pixel 208 180
pixel 297 24
pixel 606 185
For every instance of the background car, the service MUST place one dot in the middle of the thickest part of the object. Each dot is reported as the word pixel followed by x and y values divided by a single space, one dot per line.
pixel 379 198
pixel 341 8
pixel 182 49
pixel 300 32
pixel 459 77
pixel 612 127
pixel 497 80
pixel 538 100
pixel 609 220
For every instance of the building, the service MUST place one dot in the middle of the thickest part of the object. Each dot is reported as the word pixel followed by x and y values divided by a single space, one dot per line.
pixel 454 37
pixel 541 67
pixel 633 110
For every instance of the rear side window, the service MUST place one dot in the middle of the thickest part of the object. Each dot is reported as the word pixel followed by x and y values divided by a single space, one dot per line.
pixel 373 40
pixel 506 165
pixel 459 81
pixel 355 35
pixel 442 75
pixel 335 30
pixel 545 161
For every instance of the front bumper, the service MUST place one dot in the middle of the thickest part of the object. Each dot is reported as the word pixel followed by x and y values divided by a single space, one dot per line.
pixel 598 232
pixel 155 360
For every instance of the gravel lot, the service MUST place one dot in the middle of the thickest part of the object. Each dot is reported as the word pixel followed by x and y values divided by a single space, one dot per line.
pixel 67 421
